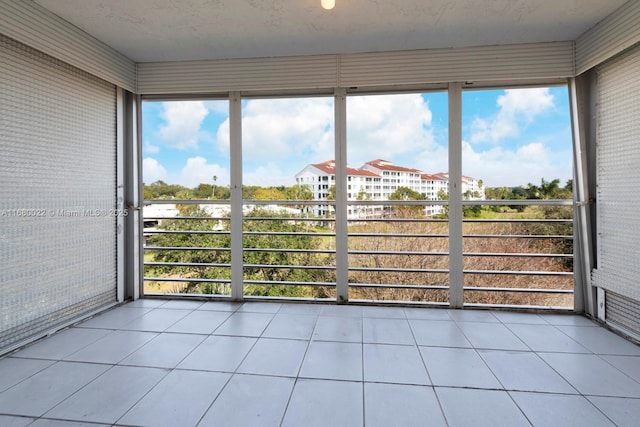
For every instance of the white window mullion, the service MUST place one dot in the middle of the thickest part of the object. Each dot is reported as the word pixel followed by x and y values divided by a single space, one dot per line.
pixel 235 136
pixel 342 242
pixel 456 293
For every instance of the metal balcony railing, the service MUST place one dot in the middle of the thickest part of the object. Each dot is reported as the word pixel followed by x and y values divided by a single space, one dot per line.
pixel 395 253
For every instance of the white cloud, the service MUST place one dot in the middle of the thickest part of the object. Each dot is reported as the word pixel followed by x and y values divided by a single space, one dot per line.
pixel 217 106
pixel 284 129
pixel 150 148
pixel 517 108
pixel 183 122
pixel 152 171
pixel 196 170
pixel 269 174
pixel 529 163
pixel 281 136
pixel 388 127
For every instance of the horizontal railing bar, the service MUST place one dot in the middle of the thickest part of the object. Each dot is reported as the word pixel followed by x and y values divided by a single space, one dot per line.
pixel 292 267
pixel 249 202
pixel 398 303
pixel 519 202
pixel 385 203
pixel 278 282
pixel 517 236
pixel 390 253
pixel 523 220
pixel 294 233
pixel 519 273
pixel 433 236
pixel 409 253
pixel 390 286
pixel 288 299
pixel 520 290
pixel 186 232
pixel 186 218
pixel 469 254
pixel 179 296
pixel 530 308
pixel 311 251
pixel 186 202
pixel 515 255
pixel 422 220
pixel 245 202
pixel 289 218
pixel 185 279
pixel 384 220
pixel 185 264
pixel 401 270
pixel 184 248
pixel 286 233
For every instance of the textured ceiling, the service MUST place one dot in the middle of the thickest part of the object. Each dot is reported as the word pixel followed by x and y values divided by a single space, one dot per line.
pixel 172 30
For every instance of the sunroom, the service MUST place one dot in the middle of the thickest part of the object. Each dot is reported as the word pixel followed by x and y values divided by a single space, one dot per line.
pixel 354 243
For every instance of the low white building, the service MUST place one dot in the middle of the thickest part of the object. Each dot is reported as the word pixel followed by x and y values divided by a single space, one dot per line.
pixel 472 189
pixel 378 180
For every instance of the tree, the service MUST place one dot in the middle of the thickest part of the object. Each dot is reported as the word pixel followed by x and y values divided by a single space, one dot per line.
pixel 407 211
pixel 549 189
pixel 298 192
pixel 269 193
pixel 405 193
pixel 332 193
pixel 203 191
pixel 146 193
pixel 222 193
pixel 363 195
pixel 498 193
pixel 162 190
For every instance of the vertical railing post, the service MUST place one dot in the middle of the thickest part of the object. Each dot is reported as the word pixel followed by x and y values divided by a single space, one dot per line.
pixel 235 143
pixel 456 293
pixel 342 261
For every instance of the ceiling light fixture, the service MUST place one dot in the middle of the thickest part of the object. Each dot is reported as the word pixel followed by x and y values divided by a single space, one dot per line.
pixel 328 4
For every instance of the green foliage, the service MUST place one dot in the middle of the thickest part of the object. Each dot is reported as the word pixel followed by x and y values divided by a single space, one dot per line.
pixel 298 192
pixel 162 190
pixel 332 193
pixel 545 191
pixel 259 265
pixel 203 191
pixel 407 211
pixel 270 241
pixel 405 193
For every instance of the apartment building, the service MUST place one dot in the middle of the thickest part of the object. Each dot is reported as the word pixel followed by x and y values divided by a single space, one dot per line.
pixel 378 180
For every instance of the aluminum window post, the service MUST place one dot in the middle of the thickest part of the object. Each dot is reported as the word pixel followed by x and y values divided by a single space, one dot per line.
pixel 342 239
pixel 121 234
pixel 235 136
pixel 129 197
pixel 456 293
pixel 137 200
pixel 583 300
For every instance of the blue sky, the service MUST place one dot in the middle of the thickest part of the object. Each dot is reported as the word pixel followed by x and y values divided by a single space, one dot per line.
pixel 510 137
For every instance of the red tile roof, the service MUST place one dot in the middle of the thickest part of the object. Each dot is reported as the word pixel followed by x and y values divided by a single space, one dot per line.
pixel 427 177
pixel 389 166
pixel 329 167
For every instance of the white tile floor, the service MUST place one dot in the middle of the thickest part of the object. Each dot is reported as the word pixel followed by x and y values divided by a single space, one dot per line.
pixel 187 363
